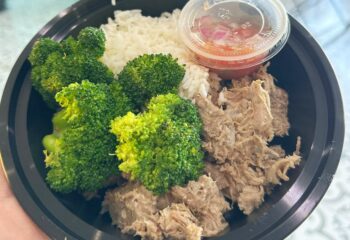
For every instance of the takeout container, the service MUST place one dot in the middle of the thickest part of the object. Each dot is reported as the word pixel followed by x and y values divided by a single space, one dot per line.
pixel 315 113
pixel 234 37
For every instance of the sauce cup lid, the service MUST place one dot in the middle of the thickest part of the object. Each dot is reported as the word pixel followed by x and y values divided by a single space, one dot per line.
pixel 235 30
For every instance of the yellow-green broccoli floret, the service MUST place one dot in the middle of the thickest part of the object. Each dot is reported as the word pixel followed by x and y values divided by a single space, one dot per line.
pixel 161 147
pixel 150 75
pixel 79 152
pixel 56 65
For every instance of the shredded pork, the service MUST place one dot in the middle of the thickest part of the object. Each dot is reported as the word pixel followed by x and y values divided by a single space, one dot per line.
pixel 249 107
pixel 279 102
pixel 219 130
pixel 133 208
pixel 188 212
pixel 178 222
pixel 206 202
pixel 237 131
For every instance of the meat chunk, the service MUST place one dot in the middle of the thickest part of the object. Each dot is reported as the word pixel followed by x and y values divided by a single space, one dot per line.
pixel 249 107
pixel 250 198
pixel 177 222
pixel 247 115
pixel 278 150
pixel 246 183
pixel 278 170
pixel 233 178
pixel 133 208
pixel 219 129
pixel 279 110
pixel 252 150
pixel 251 159
pixel 215 87
pixel 206 202
pixel 278 98
pixel 184 213
pixel 279 102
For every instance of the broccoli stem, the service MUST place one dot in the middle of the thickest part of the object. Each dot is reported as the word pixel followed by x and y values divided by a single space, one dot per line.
pixel 59 122
pixel 50 143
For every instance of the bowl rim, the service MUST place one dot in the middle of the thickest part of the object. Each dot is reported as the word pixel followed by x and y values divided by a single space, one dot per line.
pixel 56 228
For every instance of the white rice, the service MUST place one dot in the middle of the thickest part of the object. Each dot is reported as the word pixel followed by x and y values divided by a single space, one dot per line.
pixel 131 34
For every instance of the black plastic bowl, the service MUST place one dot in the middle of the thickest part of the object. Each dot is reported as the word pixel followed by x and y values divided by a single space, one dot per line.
pixel 315 113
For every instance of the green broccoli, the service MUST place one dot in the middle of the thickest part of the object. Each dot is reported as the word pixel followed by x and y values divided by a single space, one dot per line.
pixel 56 65
pixel 78 152
pixel 92 41
pixel 150 75
pixel 42 49
pixel 161 147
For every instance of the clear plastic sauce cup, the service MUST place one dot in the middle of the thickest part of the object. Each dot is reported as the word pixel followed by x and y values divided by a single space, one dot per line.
pixel 234 37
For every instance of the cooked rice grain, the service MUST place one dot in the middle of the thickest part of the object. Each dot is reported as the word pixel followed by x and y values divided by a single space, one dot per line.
pixel 131 34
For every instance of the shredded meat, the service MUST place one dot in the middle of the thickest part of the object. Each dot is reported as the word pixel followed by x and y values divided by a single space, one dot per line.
pixel 219 130
pixel 133 208
pixel 206 202
pixel 278 170
pixel 247 113
pixel 278 98
pixel 254 151
pixel 249 107
pixel 177 222
pixel 278 150
pixel 184 213
pixel 164 201
pixel 279 102
pixel 253 112
pixel 215 87
pixel 237 180
pixel 232 178
pixel 250 198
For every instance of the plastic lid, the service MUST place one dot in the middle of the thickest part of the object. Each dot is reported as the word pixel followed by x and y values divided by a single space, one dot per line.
pixel 234 30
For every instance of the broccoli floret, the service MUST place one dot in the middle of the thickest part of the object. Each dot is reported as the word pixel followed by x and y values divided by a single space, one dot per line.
pixel 78 152
pixel 124 104
pixel 56 65
pixel 92 41
pixel 69 45
pixel 161 147
pixel 42 49
pixel 150 75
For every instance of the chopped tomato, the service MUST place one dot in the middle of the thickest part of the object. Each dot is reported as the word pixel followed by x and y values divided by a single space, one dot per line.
pixel 222 38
